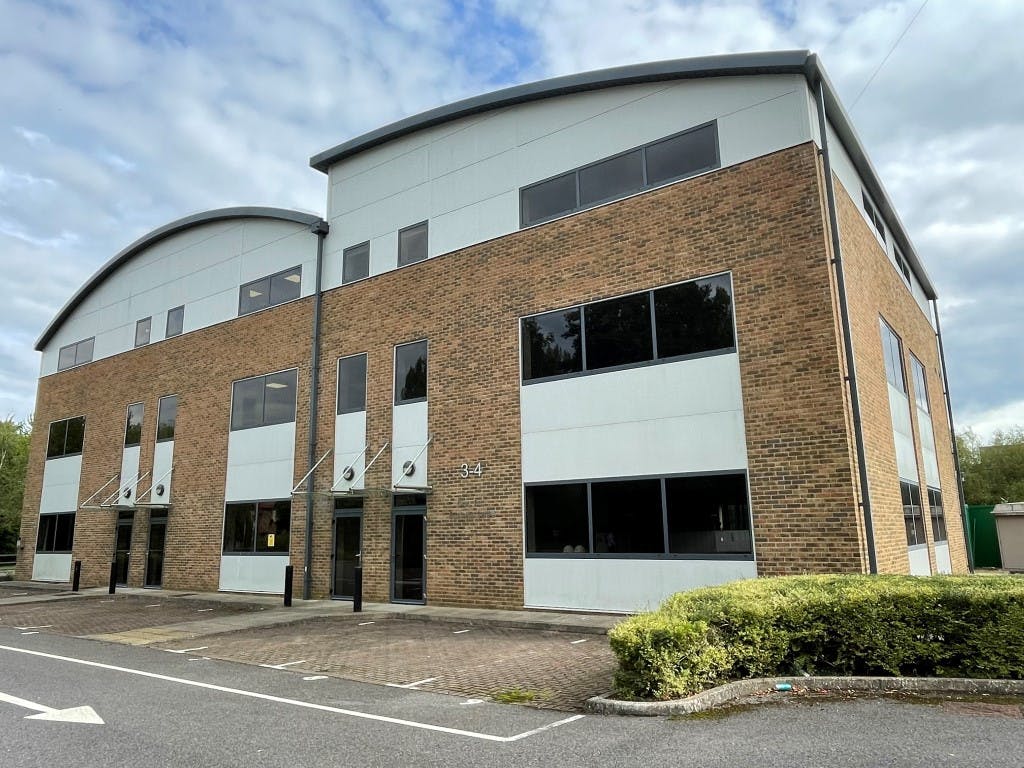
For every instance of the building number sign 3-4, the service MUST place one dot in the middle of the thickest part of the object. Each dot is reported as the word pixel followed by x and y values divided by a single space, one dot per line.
pixel 471 470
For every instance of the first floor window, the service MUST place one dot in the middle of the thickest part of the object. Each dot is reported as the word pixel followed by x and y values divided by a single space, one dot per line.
pixel 167 417
pixel 66 437
pixel 133 425
pixel 911 497
pixel 411 372
pixel 257 526
pixel 56 532
pixel 937 515
pixel 175 321
pixel 698 515
pixel 263 400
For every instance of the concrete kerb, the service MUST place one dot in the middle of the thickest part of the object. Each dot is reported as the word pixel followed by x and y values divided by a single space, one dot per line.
pixel 733 692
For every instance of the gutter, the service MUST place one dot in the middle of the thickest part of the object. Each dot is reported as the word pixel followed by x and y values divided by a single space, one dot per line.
pixel 844 312
pixel 952 437
pixel 319 228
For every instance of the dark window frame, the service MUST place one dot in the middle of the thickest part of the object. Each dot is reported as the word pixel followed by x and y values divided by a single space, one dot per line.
pixel 647 185
pixel 913 513
pixel 134 440
pixel 263 409
pixel 425 225
pixel 77 347
pixel 890 365
pixel 397 399
pixel 938 516
pixel 666 553
pixel 143 329
pixel 257 505
pixel 160 436
pixel 873 214
pixel 269 279
pixel 337 395
pixel 179 313
pixel 656 359
pixel 919 376
pixel 352 249
pixel 51 530
pixel 64 442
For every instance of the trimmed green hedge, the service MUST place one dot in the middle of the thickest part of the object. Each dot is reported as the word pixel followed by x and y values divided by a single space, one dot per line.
pixel 939 626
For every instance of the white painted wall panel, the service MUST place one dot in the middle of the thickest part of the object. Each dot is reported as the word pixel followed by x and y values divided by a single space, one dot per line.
pixel 253 573
pixel 942 562
pixel 660 419
pixel 349 449
pixel 621 585
pixel 51 567
pixel 163 471
pixel 918 556
pixel 408 436
pixel 931 460
pixel 902 434
pixel 474 167
pixel 200 268
pixel 61 479
pixel 261 463
pixel 130 476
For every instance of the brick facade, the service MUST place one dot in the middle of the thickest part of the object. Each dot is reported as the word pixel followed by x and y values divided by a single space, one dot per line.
pixel 763 220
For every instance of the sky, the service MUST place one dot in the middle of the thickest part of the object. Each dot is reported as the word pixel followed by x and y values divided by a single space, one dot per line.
pixel 117 117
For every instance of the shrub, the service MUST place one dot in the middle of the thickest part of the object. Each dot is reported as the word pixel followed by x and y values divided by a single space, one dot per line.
pixel 942 626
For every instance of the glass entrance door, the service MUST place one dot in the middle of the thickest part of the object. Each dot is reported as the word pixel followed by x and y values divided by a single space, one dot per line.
pixel 123 545
pixel 407 556
pixel 155 553
pixel 347 544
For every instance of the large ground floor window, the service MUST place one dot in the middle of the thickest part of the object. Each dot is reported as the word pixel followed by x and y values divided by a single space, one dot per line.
pixel 257 526
pixel 695 515
pixel 56 532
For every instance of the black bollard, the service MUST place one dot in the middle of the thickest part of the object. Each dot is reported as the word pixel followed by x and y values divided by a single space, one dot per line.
pixel 77 577
pixel 288 576
pixel 113 578
pixel 357 591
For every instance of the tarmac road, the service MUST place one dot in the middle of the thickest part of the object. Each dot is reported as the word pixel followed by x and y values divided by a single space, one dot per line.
pixel 180 709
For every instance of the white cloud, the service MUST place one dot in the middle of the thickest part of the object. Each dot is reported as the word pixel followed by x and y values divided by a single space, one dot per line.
pixel 124 117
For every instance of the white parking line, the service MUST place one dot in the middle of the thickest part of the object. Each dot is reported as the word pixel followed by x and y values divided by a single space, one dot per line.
pixel 30 633
pixel 364 623
pixel 297 703
pixel 282 666
pixel 411 686
pixel 203 610
pixel 460 632
pixel 315 677
pixel 577 642
pixel 41 626
pixel 186 650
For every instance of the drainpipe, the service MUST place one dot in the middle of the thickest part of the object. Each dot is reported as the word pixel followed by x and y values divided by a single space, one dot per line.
pixel 320 229
pixel 844 312
pixel 952 436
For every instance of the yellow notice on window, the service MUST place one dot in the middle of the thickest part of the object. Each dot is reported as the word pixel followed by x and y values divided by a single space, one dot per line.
pixel 270 540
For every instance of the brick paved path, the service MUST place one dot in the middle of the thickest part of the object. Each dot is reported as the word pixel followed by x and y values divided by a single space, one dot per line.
pixel 116 613
pixel 552 670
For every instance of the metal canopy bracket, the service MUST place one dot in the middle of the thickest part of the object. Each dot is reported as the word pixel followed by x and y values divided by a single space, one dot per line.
pixel 109 503
pixel 409 468
pixel 295 490
pixel 350 491
pixel 86 505
pixel 157 484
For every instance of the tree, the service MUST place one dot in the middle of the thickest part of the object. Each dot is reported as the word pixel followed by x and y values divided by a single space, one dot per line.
pixel 14 441
pixel 992 473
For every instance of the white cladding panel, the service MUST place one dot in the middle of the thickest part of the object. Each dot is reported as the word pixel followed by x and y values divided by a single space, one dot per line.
pixel 60 484
pixel 51 567
pixel 902 435
pixel 349 445
pixel 918 556
pixel 409 435
pixel 942 562
pixel 685 416
pixel 465 176
pixel 163 463
pixel 200 268
pixel 130 475
pixel 931 459
pixel 261 463
pixel 252 573
pixel 597 584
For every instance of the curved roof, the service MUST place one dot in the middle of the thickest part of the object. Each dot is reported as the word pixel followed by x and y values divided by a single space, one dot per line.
pixel 162 233
pixel 797 62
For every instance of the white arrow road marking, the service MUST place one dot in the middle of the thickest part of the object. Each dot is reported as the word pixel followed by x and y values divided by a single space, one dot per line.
pixel 72 715
pixel 186 650
pixel 412 686
pixel 283 666
pixel 297 702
